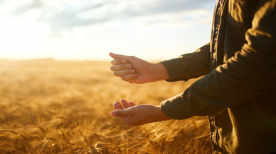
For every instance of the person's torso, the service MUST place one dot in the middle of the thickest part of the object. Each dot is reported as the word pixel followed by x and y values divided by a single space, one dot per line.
pixel 251 127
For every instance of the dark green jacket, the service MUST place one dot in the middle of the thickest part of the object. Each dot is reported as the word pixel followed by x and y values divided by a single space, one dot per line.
pixel 239 91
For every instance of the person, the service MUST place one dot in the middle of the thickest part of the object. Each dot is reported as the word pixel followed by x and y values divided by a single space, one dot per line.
pixel 238 91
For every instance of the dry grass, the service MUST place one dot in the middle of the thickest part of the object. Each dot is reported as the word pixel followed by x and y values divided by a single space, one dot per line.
pixel 63 107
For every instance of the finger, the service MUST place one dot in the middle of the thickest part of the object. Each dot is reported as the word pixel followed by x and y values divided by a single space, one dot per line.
pixel 131 104
pixel 117 56
pixel 125 103
pixel 124 72
pixel 117 105
pixel 128 77
pixel 118 61
pixel 120 112
pixel 120 67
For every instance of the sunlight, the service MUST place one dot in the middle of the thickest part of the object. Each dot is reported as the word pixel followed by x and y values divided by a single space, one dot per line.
pixel 21 35
pixel 86 30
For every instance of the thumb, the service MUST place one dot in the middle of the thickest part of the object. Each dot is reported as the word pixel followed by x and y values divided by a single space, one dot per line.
pixel 117 56
pixel 120 112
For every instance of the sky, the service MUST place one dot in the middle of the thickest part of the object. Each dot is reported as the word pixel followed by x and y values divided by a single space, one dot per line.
pixel 90 29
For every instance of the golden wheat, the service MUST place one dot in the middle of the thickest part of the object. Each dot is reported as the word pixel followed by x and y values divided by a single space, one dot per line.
pixel 63 107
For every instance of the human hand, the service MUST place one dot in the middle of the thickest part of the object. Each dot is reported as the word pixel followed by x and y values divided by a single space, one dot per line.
pixel 133 69
pixel 135 115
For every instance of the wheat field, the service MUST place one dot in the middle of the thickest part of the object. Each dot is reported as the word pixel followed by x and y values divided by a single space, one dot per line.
pixel 62 107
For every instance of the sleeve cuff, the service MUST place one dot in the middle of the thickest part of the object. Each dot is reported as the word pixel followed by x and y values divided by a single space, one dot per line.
pixel 176 70
pixel 177 108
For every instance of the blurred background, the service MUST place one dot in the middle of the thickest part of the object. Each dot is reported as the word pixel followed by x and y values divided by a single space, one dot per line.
pixel 90 29
pixel 61 101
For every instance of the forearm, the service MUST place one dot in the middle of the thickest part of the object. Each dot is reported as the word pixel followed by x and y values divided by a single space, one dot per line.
pixel 159 115
pixel 189 65
pixel 248 75
pixel 159 72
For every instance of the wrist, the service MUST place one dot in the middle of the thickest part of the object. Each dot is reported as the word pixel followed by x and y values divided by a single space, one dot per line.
pixel 159 115
pixel 159 72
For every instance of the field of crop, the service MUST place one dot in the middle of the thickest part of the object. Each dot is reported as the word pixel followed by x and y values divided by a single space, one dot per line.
pixel 63 107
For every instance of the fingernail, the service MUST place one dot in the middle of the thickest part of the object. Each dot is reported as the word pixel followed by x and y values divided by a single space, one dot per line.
pixel 124 61
pixel 113 113
pixel 128 65
pixel 122 100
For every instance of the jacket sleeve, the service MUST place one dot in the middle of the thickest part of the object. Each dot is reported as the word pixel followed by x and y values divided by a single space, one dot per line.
pixel 189 65
pixel 247 75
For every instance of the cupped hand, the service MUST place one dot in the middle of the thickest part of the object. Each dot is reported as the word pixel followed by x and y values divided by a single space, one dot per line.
pixel 135 115
pixel 136 70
